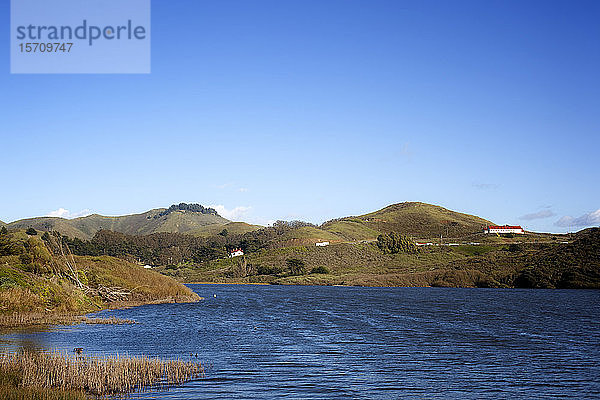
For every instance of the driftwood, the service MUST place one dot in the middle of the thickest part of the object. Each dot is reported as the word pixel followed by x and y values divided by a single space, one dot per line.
pixel 114 293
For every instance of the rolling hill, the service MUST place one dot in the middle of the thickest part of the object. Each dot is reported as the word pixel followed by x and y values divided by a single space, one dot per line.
pixel 415 219
pixel 180 218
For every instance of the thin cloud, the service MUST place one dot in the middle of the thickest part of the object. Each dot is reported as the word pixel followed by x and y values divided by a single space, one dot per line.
pixel 538 215
pixel 233 214
pixel 243 190
pixel 485 186
pixel 589 219
pixel 64 213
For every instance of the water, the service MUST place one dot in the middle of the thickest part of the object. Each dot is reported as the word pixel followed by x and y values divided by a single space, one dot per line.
pixel 272 342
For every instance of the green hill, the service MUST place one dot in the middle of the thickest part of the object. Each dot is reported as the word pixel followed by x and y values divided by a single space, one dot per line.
pixel 176 219
pixel 415 219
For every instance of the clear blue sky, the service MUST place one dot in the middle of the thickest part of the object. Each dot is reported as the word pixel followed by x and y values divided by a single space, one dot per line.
pixel 319 109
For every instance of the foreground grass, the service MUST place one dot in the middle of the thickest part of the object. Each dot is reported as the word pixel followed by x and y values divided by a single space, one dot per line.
pixel 56 375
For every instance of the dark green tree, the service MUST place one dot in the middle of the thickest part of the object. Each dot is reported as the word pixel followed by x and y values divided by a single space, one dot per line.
pixel 224 233
pixel 31 232
pixel 295 265
pixel 394 242
pixel 3 231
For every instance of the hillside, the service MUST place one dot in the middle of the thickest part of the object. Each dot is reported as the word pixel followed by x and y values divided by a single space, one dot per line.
pixel 231 228
pixel 177 219
pixel 507 263
pixel 415 219
pixel 37 276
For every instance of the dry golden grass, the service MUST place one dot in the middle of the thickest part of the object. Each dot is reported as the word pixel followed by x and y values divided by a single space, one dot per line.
pixel 107 321
pixel 31 319
pixel 104 375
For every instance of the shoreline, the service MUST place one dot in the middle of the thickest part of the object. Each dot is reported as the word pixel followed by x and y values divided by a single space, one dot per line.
pixel 33 319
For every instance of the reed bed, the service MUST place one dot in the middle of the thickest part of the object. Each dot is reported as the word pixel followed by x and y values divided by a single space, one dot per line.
pixel 26 319
pixel 104 375
pixel 108 321
pixel 29 319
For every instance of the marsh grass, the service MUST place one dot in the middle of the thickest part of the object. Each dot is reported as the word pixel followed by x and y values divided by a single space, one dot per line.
pixel 103 375
pixel 32 319
pixel 108 321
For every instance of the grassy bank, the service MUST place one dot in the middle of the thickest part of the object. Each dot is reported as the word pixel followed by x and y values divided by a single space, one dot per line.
pixel 41 282
pixel 56 375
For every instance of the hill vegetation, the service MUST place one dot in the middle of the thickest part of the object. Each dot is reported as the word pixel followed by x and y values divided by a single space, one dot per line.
pixel 400 263
pixel 39 276
pixel 378 249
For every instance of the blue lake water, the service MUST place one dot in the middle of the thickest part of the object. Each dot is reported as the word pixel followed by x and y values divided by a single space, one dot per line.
pixel 305 342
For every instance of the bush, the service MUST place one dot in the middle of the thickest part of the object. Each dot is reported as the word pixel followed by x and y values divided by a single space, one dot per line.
pixel 31 232
pixel 265 270
pixel 514 248
pixel 295 265
pixel 3 231
pixel 319 270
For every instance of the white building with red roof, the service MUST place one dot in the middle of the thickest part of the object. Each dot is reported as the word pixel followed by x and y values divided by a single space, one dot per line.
pixel 505 229
pixel 236 253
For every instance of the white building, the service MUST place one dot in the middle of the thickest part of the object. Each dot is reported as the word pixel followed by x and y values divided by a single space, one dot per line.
pixel 322 244
pixel 236 253
pixel 504 229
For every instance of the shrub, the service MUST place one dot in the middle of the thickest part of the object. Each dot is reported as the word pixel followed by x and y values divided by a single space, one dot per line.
pixel 320 270
pixel 295 265
pixel 31 232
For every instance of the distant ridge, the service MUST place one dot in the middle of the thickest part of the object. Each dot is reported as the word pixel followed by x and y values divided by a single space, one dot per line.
pixel 419 220
pixel 180 218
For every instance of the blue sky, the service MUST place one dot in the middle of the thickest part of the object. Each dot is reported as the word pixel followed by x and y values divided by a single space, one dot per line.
pixel 319 109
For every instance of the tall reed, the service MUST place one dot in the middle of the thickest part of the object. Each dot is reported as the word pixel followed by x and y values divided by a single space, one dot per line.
pixel 99 375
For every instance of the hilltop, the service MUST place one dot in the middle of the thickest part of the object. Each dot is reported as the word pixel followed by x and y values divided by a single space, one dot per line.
pixel 420 220
pixel 180 218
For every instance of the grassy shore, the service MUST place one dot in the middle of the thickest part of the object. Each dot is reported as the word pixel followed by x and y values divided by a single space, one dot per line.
pixel 42 283
pixel 56 375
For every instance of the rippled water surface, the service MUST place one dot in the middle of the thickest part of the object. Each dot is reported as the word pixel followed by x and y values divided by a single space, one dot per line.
pixel 271 342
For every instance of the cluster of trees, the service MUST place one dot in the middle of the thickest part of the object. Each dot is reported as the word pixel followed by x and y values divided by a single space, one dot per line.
pixel 394 242
pixel 156 249
pixel 187 207
pixel 175 248
pixel 34 254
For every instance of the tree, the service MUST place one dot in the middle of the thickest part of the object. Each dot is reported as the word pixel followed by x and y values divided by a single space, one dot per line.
pixel 295 265
pixel 224 233
pixel 396 243
pixel 3 231
pixel 31 232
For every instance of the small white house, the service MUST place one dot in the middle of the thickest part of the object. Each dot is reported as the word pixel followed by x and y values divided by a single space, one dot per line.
pixel 505 229
pixel 148 266
pixel 322 244
pixel 236 253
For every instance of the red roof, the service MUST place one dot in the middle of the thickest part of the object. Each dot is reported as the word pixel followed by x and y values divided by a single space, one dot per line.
pixel 505 227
